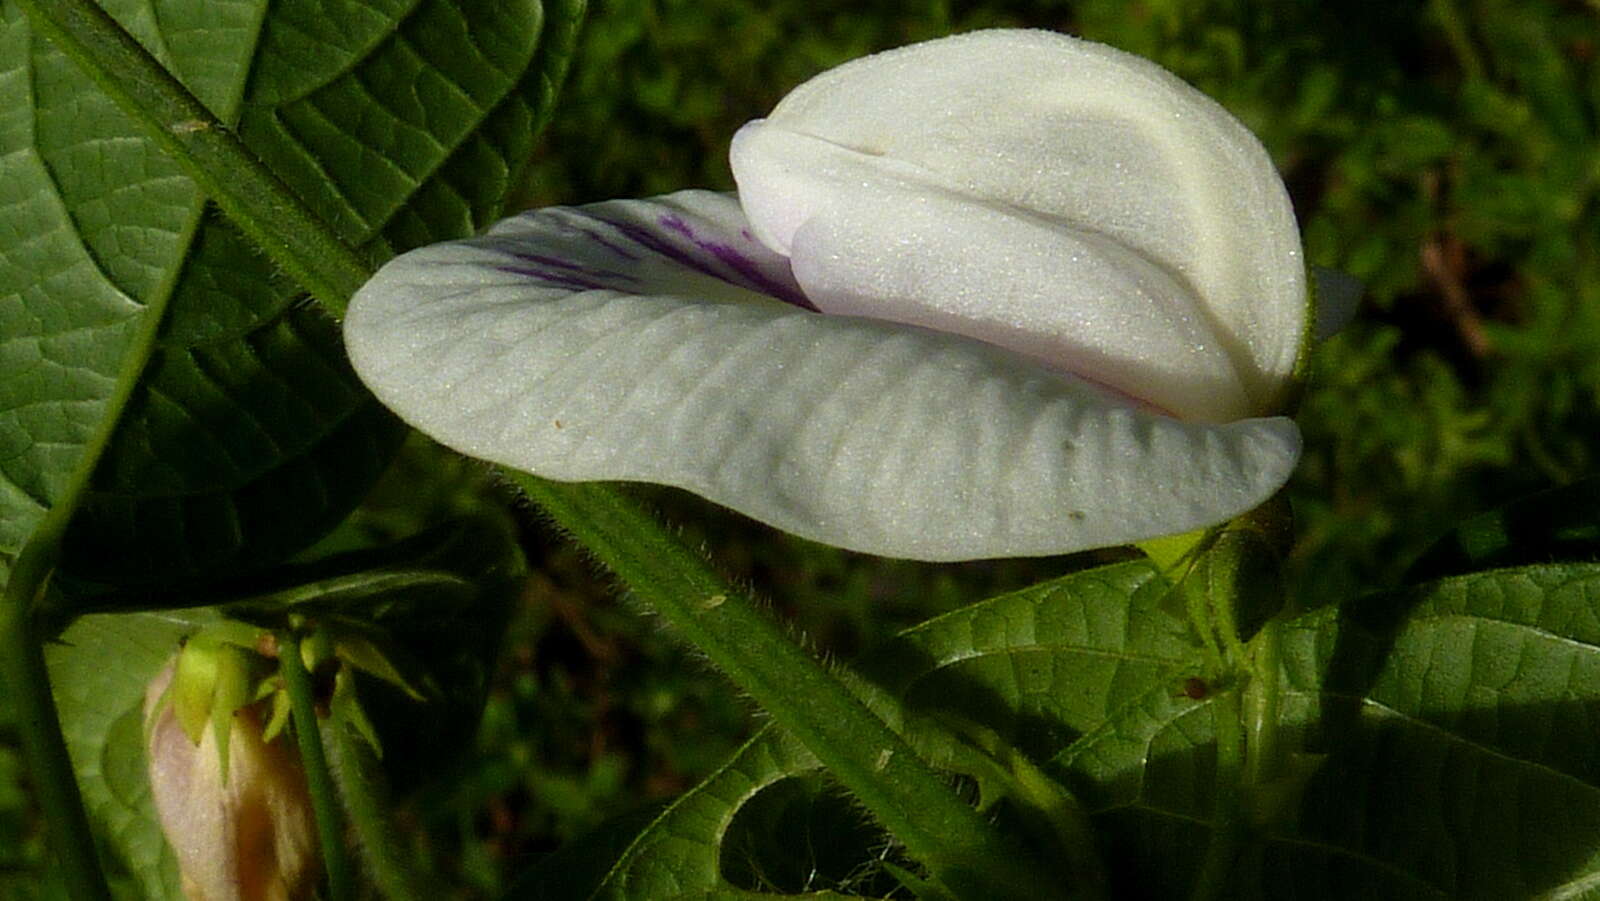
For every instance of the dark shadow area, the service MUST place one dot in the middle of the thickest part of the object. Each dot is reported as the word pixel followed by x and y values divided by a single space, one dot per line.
pixel 1558 525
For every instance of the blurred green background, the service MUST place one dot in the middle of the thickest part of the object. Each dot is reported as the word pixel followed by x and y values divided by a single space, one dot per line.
pixel 1446 153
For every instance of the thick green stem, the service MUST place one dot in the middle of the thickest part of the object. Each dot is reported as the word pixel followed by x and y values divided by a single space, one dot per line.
pixel 913 801
pixel 1238 574
pixel 1228 825
pixel 210 153
pixel 26 682
pixel 1262 703
pixel 324 797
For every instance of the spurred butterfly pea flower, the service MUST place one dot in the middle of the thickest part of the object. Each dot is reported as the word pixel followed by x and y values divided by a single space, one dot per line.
pixel 1001 294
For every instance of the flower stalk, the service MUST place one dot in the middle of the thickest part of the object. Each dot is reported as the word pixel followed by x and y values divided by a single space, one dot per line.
pixel 1235 601
pixel 324 796
pixel 964 851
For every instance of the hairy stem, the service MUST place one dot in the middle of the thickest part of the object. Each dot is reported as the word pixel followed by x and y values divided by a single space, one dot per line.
pixel 963 850
pixel 366 797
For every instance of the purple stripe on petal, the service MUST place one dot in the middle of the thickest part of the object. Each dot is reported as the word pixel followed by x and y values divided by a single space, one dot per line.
pixel 741 265
pixel 555 279
pixel 601 240
pixel 568 265
pixel 648 240
pixel 752 273
pixel 674 223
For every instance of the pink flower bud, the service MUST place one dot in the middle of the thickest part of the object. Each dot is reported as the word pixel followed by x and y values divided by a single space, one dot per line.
pixel 249 836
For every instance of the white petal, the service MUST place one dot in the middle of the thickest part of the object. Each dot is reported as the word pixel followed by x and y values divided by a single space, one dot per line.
pixel 660 361
pixel 1084 145
pixel 899 247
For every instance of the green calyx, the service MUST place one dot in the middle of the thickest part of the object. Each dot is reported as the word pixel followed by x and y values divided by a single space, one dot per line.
pixel 213 678
pixel 228 666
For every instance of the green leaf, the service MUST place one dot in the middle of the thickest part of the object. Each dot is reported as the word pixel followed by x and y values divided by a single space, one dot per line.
pixel 246 436
pixel 1048 666
pixel 1455 724
pixel 681 854
pixel 1459 721
pixel 1080 674
pixel 803 835
pixel 230 458
pixel 64 322
pixel 1456 720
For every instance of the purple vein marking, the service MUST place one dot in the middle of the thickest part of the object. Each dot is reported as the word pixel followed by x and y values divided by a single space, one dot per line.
pixel 568 219
pixel 600 239
pixel 743 265
pixel 676 224
pixel 738 262
pixel 567 265
pixel 555 279
pixel 644 238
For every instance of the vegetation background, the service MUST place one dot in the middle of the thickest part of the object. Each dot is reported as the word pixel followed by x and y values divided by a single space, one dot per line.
pixel 1446 153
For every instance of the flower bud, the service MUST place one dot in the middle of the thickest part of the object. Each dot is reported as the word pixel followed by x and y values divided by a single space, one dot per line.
pixel 240 825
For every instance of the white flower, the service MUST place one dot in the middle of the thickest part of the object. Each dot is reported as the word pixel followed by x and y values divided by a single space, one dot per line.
pixel 1064 295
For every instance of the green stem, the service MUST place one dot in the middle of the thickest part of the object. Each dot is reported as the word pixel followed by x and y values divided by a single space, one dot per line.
pixel 1245 715
pixel 324 798
pixel 211 154
pixel 1227 827
pixel 366 796
pixel 870 759
pixel 1458 36
pixel 27 684
pixel 1262 702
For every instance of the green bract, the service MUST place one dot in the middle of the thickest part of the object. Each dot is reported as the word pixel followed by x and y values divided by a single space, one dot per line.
pixel 1002 294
